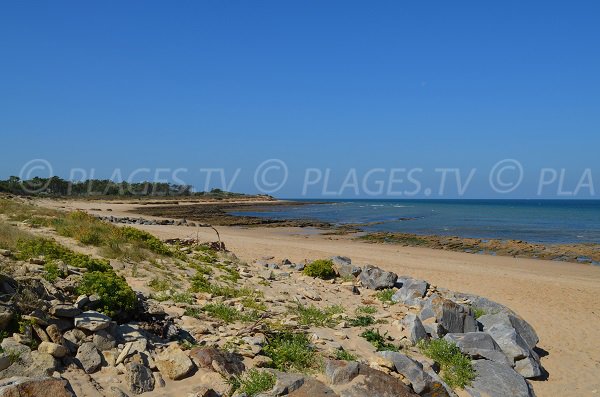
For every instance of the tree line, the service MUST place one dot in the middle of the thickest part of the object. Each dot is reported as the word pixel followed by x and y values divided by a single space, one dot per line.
pixel 56 186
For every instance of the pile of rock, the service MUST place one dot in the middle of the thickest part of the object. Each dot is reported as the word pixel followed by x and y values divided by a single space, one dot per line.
pixel 500 342
pixel 143 221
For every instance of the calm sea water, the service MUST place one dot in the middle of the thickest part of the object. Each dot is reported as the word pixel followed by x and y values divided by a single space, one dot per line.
pixel 545 221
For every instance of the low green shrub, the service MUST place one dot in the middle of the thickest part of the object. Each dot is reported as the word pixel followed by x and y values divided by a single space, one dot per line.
pixel 385 295
pixel 321 268
pixel 254 382
pixel 344 355
pixel 313 316
pixel 51 250
pixel 456 367
pixel 361 321
pixel 114 292
pixel 381 342
pixel 228 314
pixel 290 351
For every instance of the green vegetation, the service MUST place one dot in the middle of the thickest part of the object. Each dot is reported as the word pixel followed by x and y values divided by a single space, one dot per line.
pixel 160 285
pixel 381 342
pixel 457 370
pixel 313 316
pixel 361 321
pixel 201 284
pixel 385 295
pixel 52 272
pixel 290 351
pixel 342 354
pixel 253 382
pixel 228 314
pixel 321 268
pixel 478 312
pixel 114 292
pixel 51 250
pixel 366 310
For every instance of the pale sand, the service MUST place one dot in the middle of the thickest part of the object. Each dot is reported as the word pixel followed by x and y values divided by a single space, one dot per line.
pixel 561 300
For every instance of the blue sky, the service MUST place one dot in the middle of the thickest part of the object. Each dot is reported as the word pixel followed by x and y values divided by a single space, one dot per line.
pixel 336 84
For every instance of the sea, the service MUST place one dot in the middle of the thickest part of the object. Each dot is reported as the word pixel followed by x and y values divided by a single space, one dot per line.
pixel 536 221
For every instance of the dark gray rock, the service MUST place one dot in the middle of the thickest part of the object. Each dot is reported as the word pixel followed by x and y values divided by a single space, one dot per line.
pixel 528 368
pixel 509 340
pixel 421 382
pixel 414 327
pixel 339 372
pixel 411 292
pixel 479 345
pixel 497 380
pixel 88 357
pixel 453 318
pixel 65 310
pixel 103 340
pixel 375 278
pixel 344 268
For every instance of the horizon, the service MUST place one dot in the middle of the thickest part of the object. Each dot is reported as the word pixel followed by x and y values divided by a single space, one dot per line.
pixel 353 101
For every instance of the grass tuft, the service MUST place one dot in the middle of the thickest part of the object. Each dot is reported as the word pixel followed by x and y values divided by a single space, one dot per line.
pixel 457 370
pixel 381 342
pixel 321 268
pixel 290 351
pixel 313 316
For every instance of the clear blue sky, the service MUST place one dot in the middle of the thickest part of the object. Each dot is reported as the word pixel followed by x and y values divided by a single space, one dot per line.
pixel 337 84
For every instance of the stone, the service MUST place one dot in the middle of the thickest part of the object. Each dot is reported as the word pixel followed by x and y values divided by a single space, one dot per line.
pixel 511 343
pixel 374 383
pixel 174 363
pixel 497 380
pixel 81 301
pixel 211 358
pixel 411 292
pixel 54 349
pixel 414 328
pixel 479 345
pixel 65 310
pixel 139 378
pixel 103 340
pixel 4 252
pixel 20 386
pixel 375 278
pixel 339 372
pixel 54 333
pixel 158 380
pixel 126 350
pixel 286 383
pixel 5 361
pixel 92 321
pixel 528 368
pixel 73 339
pixel 525 331
pixel 6 315
pixel 421 382
pixel 88 357
pixel 452 317
pixel 344 268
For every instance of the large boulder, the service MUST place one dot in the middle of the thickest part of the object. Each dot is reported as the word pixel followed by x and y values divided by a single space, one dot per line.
pixel 54 349
pixel 375 278
pixel 451 316
pixel 522 327
pixel 510 342
pixel 414 328
pixel 411 292
pixel 497 380
pixel 213 359
pixel 479 345
pixel 421 382
pixel 20 386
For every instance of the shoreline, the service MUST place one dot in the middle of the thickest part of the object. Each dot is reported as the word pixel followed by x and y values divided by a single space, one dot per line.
pixel 559 299
pixel 220 214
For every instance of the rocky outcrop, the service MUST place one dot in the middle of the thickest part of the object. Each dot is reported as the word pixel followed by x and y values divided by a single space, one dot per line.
pixel 497 380
pixel 34 387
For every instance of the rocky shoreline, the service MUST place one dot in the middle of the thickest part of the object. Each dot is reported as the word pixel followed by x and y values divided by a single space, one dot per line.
pixel 203 323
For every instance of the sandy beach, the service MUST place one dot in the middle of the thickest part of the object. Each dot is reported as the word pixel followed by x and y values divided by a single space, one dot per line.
pixel 559 299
